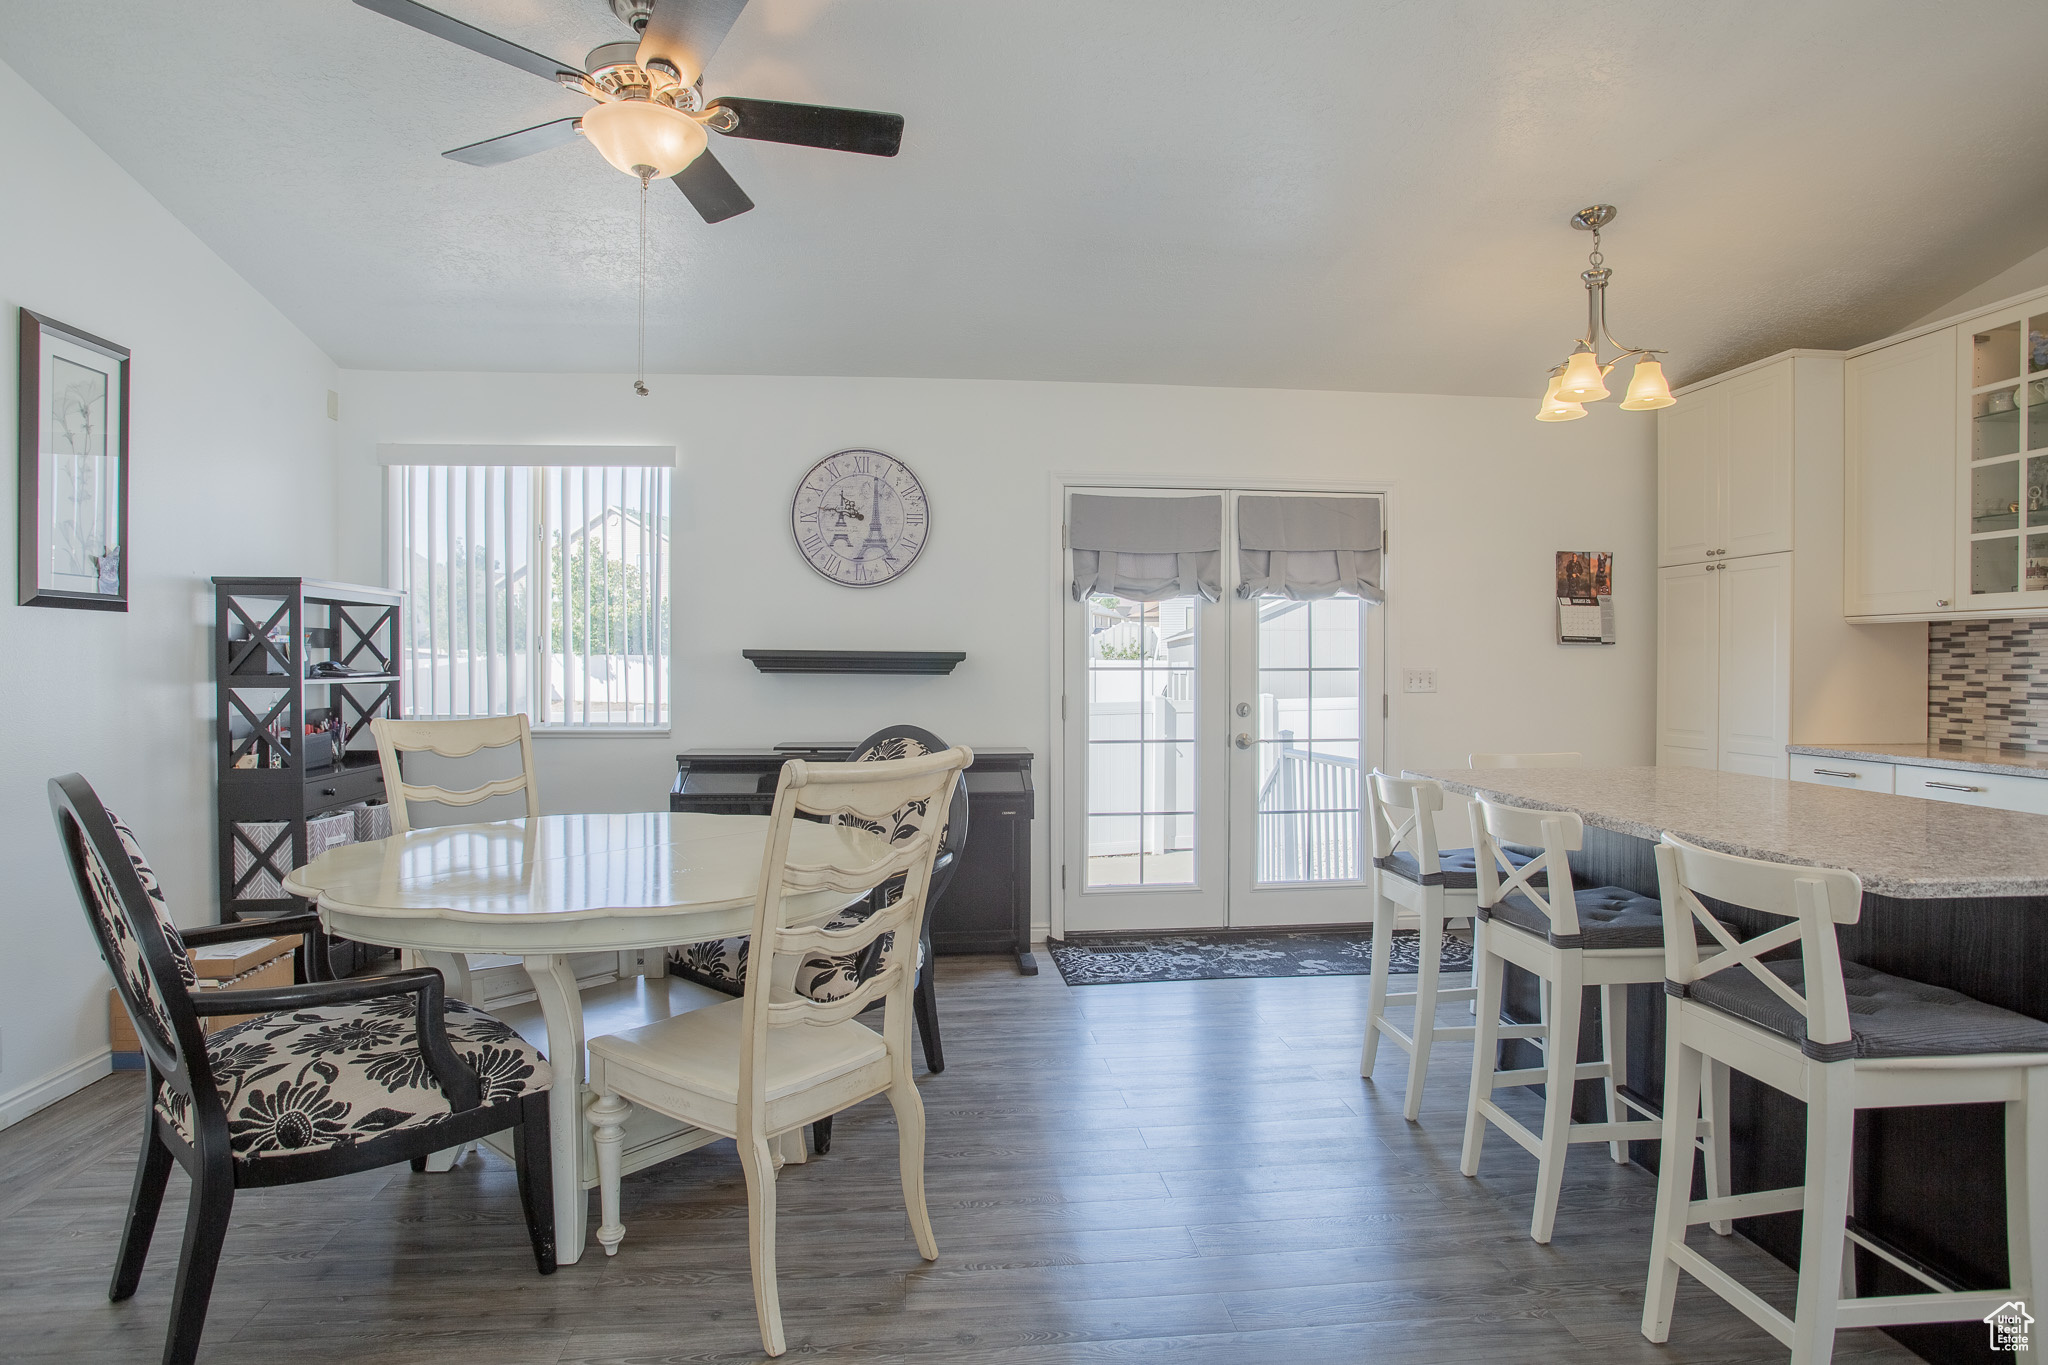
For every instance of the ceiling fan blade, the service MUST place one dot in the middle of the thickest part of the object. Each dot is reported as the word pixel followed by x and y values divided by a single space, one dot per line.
pixel 498 150
pixel 711 189
pixel 814 125
pixel 475 39
pixel 685 33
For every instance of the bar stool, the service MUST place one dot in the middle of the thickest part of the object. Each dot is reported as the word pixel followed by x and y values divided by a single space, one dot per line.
pixel 1790 1025
pixel 1603 936
pixel 1409 872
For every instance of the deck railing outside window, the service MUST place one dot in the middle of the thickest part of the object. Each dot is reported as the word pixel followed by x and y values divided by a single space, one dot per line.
pixel 1308 818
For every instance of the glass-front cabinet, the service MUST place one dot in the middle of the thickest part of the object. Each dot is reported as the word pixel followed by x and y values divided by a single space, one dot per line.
pixel 2004 495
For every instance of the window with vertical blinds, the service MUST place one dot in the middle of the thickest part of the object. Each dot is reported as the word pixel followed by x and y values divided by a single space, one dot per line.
pixel 541 589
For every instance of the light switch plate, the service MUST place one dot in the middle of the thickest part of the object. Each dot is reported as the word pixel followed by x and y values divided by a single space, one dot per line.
pixel 1421 679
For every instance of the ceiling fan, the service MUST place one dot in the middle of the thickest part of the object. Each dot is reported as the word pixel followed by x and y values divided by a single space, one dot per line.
pixel 651 113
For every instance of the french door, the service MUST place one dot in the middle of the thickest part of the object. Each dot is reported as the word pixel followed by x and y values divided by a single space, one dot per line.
pixel 1214 758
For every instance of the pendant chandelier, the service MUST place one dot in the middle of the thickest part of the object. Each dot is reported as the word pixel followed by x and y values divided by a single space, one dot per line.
pixel 1582 378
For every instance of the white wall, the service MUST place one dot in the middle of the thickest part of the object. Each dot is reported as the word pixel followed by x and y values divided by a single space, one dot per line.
pixel 1482 497
pixel 232 472
pixel 2023 278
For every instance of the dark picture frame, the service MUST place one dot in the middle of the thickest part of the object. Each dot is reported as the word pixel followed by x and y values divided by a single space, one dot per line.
pixel 71 458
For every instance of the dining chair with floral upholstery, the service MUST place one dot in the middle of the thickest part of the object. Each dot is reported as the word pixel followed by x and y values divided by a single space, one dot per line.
pixel 328 1078
pixel 722 963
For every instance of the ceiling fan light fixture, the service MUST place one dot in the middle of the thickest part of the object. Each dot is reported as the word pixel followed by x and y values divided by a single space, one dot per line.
pixel 644 139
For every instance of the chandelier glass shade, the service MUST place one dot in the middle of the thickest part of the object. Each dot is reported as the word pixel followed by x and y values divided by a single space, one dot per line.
pixel 1647 388
pixel 1556 409
pixel 1582 378
pixel 643 138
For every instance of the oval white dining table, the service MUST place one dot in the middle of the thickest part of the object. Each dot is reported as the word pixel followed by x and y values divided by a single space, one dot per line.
pixel 544 888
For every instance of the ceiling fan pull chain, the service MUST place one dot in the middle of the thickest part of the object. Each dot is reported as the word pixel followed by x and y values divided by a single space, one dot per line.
pixel 640 370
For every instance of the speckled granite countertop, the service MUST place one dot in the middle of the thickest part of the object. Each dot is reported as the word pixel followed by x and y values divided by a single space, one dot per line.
pixel 1901 846
pixel 2016 762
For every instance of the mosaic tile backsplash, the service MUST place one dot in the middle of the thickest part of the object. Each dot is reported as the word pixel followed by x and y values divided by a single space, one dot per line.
pixel 1987 683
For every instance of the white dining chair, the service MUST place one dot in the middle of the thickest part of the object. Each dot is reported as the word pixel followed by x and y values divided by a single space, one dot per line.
pixel 1569 938
pixel 452 739
pixel 1841 1037
pixel 1562 759
pixel 772 1061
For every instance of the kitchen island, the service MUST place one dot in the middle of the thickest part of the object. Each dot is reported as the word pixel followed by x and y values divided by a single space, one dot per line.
pixel 1954 895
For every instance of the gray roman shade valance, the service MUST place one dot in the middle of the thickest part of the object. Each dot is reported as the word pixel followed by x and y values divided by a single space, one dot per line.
pixel 1147 549
pixel 1304 547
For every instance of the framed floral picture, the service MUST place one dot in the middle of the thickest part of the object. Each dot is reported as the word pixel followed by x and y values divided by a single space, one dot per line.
pixel 73 467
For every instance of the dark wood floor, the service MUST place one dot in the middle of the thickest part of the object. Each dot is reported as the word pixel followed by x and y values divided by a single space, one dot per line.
pixel 1189 1173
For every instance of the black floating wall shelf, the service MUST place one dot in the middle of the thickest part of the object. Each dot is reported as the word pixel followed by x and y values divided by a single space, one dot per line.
pixel 854 660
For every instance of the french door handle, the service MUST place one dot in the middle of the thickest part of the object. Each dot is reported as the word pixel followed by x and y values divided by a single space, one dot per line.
pixel 1244 741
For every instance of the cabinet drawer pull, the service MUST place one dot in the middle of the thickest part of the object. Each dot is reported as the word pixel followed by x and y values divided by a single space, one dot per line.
pixel 1951 786
pixel 1835 772
pixel 329 791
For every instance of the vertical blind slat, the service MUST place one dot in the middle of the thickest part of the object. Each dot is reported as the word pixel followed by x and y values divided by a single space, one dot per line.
pixel 433 616
pixel 494 496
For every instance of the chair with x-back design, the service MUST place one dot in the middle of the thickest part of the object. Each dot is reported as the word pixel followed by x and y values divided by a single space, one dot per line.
pixel 1570 938
pixel 329 1078
pixel 1842 1037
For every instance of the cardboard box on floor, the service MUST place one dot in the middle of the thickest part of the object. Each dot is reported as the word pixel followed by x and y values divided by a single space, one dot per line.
pixel 253 964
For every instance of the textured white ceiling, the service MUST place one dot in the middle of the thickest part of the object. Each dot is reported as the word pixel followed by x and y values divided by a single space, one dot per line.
pixel 1334 194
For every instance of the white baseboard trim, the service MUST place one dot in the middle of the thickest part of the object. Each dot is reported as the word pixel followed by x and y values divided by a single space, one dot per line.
pixel 20 1103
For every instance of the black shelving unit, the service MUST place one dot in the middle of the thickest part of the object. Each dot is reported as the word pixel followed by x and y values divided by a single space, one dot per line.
pixel 269 633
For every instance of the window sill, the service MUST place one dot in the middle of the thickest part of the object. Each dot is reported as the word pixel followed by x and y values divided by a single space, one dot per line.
pixel 601 732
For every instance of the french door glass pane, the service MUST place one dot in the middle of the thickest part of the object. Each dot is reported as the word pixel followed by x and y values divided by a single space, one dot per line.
pixel 1310 812
pixel 1141 742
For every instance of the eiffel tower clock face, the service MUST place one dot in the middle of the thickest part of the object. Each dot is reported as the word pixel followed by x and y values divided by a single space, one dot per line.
pixel 860 518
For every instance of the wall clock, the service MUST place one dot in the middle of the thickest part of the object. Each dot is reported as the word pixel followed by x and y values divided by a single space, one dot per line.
pixel 860 517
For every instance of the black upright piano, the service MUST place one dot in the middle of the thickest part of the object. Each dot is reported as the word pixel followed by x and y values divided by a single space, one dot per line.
pixel 987 908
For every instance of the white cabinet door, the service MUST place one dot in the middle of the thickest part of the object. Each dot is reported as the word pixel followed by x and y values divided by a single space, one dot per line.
pixel 1688 672
pixel 1756 495
pixel 1755 721
pixel 1899 487
pixel 1692 455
